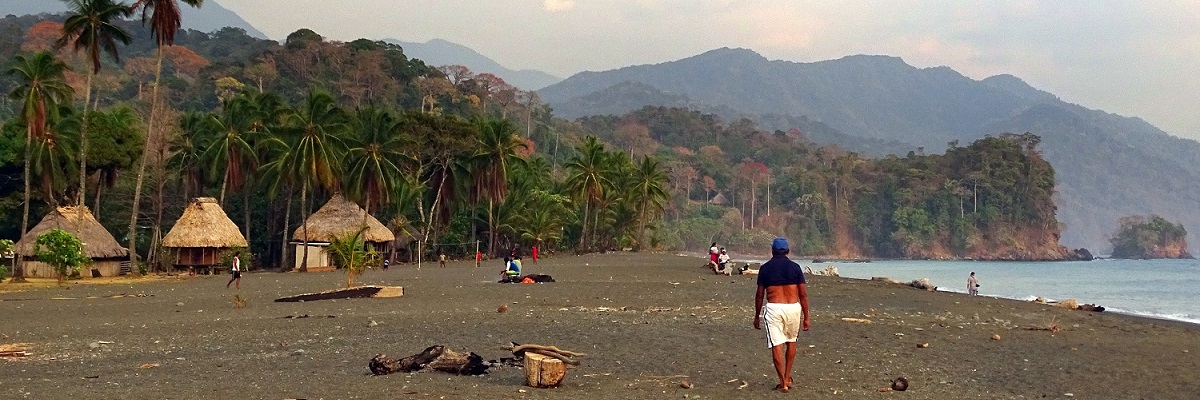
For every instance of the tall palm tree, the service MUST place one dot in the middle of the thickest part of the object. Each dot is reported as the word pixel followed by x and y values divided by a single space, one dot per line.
pixel 648 182
pixel 230 150
pixel 186 150
pixel 374 150
pixel 164 23
pixel 316 147
pixel 54 154
pixel 587 180
pixel 497 150
pixel 92 28
pixel 40 88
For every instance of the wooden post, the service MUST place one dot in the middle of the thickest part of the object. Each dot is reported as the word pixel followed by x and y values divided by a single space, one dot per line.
pixel 544 371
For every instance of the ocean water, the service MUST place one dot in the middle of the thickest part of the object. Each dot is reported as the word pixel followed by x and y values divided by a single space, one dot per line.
pixel 1166 289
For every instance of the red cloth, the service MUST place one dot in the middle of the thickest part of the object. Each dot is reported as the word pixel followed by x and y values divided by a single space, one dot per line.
pixel 535 253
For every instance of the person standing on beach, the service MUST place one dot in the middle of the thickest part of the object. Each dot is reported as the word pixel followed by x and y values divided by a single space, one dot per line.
pixel 781 284
pixel 442 259
pixel 534 254
pixel 973 285
pixel 236 269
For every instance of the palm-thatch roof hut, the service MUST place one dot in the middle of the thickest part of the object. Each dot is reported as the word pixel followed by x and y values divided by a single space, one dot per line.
pixel 201 234
pixel 338 217
pixel 107 255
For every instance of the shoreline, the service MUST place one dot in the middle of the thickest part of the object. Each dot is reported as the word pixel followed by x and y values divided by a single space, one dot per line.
pixel 1136 314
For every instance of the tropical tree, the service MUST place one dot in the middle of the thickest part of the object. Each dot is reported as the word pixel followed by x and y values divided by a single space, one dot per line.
pixel 40 88
pixel 350 253
pixel 116 144
pixel 648 182
pixel 374 150
pixel 315 148
pixel 186 150
pixel 165 21
pixel 53 155
pixel 93 29
pixel 496 152
pixel 587 181
pixel 230 150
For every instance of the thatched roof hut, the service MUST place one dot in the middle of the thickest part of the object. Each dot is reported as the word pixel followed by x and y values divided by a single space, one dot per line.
pixel 204 224
pixel 97 242
pixel 340 217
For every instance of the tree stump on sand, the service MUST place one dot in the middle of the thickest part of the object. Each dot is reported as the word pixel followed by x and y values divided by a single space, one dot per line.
pixel 544 371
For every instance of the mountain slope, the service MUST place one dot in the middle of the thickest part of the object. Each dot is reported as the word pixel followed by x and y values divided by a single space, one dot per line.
pixel 208 18
pixel 441 52
pixel 1107 165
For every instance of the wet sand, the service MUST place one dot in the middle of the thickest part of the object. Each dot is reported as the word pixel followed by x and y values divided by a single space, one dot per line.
pixel 647 322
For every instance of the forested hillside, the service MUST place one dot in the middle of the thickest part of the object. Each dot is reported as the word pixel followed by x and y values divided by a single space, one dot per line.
pixel 450 158
pixel 1109 166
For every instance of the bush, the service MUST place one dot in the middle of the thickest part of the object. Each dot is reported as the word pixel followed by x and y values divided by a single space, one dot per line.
pixel 62 251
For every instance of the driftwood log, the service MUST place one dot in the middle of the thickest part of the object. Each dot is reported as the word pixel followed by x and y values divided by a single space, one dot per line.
pixel 356 292
pixel 437 358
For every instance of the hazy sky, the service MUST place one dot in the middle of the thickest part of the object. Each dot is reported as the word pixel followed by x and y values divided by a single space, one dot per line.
pixel 1134 58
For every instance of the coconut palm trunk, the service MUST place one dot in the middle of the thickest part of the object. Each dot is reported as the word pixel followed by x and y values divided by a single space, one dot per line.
pixel 287 219
pixel 83 142
pixel 304 206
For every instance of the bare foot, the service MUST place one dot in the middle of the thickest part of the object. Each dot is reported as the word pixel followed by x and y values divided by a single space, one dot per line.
pixel 782 388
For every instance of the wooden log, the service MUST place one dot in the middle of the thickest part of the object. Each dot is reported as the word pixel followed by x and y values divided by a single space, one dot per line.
pixel 357 292
pixel 543 371
pixel 437 358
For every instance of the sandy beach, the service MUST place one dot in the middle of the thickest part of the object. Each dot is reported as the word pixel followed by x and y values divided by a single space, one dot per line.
pixel 647 322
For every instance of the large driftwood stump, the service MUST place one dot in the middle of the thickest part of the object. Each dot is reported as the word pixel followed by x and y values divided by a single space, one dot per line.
pixel 544 371
pixel 438 358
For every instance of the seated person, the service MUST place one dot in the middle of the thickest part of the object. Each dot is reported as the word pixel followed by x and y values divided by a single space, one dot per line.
pixel 723 259
pixel 512 270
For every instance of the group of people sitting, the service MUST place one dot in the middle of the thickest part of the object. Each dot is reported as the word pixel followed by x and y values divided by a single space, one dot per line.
pixel 718 260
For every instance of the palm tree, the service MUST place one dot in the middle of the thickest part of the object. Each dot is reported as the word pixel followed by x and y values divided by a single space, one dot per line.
pixel 92 28
pixel 315 148
pixel 53 154
pixel 40 88
pixel 186 150
pixel 372 156
pixel 229 149
pixel 164 23
pixel 588 180
pixel 648 182
pixel 497 150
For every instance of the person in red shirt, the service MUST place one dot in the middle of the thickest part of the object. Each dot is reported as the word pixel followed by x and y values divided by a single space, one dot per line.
pixel 535 254
pixel 478 257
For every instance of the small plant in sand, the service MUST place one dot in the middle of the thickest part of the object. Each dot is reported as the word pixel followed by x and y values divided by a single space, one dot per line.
pixel 239 301
pixel 351 254
pixel 7 250
pixel 62 251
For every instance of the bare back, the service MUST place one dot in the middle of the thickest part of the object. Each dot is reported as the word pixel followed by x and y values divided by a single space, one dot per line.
pixel 784 294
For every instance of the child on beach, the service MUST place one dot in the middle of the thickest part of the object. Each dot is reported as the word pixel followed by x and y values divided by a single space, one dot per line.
pixel 723 262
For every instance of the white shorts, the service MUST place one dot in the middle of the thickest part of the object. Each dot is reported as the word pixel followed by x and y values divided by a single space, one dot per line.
pixel 782 322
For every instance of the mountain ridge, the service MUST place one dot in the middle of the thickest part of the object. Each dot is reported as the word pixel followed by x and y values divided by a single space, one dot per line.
pixel 1110 165
pixel 443 52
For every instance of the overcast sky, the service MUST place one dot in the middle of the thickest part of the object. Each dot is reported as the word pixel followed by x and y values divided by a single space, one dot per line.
pixel 1134 58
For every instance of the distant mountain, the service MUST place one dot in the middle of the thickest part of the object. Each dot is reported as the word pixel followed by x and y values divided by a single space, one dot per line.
pixel 208 18
pixel 1108 166
pixel 440 52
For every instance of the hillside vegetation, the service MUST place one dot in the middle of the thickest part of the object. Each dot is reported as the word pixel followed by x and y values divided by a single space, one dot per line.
pixel 1108 166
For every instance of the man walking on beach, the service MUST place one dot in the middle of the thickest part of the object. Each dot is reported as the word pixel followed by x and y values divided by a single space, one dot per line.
pixel 236 269
pixel 973 285
pixel 781 283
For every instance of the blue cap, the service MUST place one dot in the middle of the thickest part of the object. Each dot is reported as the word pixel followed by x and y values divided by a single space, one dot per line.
pixel 779 244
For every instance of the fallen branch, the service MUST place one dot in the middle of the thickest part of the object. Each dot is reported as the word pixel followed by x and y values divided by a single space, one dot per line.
pixel 438 358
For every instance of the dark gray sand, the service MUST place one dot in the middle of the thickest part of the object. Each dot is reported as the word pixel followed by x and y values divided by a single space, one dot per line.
pixel 646 321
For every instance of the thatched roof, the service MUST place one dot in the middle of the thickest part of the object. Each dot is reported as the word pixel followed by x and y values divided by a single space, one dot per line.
pixel 341 217
pixel 204 224
pixel 97 242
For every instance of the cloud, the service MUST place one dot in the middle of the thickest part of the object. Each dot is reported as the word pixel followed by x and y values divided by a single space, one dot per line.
pixel 559 5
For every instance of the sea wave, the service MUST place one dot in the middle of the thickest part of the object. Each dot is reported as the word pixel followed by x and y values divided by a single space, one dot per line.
pixel 1189 318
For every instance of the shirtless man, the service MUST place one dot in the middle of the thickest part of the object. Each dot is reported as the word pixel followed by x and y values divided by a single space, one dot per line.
pixel 781 283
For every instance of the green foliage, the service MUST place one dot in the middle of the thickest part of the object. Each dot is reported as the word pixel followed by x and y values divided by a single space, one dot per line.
pixel 62 251
pixel 351 254
pixel 1138 237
